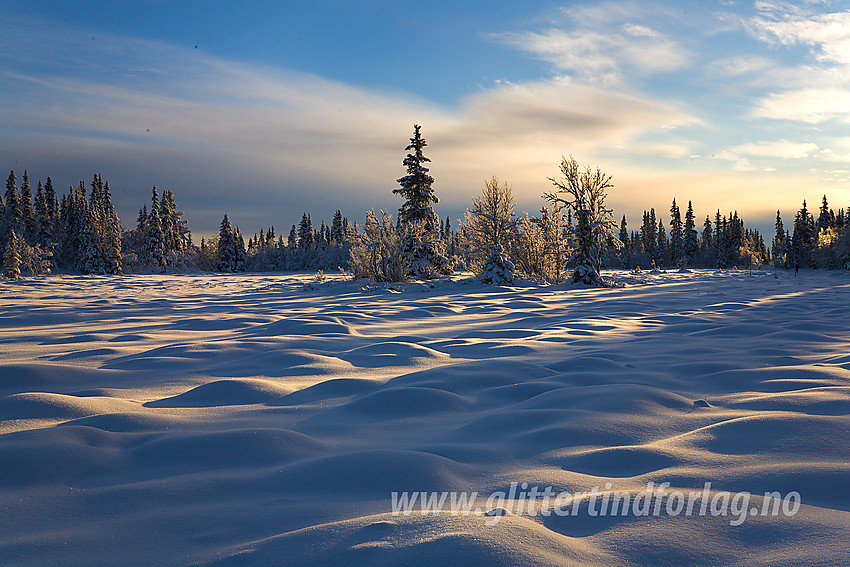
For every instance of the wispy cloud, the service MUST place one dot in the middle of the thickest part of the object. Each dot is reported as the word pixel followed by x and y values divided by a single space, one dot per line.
pixel 600 44
pixel 810 105
pixel 783 149
pixel 817 90
pixel 783 23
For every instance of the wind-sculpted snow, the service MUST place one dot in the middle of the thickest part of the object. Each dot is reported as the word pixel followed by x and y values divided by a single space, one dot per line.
pixel 266 419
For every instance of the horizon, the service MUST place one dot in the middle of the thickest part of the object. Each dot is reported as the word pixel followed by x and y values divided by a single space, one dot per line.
pixel 260 111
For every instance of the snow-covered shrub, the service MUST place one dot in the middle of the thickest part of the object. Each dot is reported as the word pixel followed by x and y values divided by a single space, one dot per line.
pixel 424 250
pixel 379 254
pixel 498 269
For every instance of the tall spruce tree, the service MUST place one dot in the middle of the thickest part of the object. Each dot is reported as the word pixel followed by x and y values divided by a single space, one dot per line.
pixel 416 186
pixel 417 223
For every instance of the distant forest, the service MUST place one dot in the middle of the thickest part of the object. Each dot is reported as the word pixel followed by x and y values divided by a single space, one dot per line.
pixel 41 233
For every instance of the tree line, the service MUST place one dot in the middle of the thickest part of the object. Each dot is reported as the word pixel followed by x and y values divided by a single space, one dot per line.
pixel 571 238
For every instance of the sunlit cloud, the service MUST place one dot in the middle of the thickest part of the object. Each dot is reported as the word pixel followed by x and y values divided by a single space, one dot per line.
pixel 601 43
pixel 812 93
pixel 780 149
pixel 812 106
pixel 782 23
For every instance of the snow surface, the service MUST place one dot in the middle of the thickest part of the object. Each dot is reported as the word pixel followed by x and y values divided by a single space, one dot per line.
pixel 265 420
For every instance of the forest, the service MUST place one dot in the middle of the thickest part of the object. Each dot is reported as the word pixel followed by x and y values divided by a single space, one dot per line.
pixel 571 237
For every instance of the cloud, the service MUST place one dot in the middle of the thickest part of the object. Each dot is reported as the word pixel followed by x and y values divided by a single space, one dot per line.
pixel 262 141
pixel 781 23
pixel 601 44
pixel 814 92
pixel 780 149
pixel 739 65
pixel 812 105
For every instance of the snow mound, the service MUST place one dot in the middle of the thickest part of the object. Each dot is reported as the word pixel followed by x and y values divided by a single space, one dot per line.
pixel 385 540
pixel 224 393
pixel 391 353
pixel 41 405
pixel 376 473
pixel 397 403
pixel 327 390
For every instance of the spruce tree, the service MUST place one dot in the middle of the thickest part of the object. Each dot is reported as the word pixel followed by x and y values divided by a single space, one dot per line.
pixel 112 235
pixel 50 199
pixel 707 237
pixel 626 250
pixel 662 250
pixel 154 240
pixel 416 186
pixel 52 212
pixel 170 221
pixel 74 226
pixel 12 257
pixel 778 247
pixel 11 220
pixel 238 251
pixel 676 234
pixel 417 223
pixel 690 242
pixel 718 249
pixel 226 261
pixel 305 232
pixel 44 232
pixel 498 269
pixel 337 235
pixel 90 254
pixel 649 236
pixel 29 222
pixel 804 237
pixel 826 219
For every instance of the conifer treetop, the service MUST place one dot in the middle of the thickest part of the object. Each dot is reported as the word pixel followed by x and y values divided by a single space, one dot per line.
pixel 416 186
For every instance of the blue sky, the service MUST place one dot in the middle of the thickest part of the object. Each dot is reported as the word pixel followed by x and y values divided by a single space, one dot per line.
pixel 274 108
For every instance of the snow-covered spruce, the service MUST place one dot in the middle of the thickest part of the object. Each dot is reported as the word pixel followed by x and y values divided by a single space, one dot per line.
pixel 498 269
pixel 418 225
pixel 11 258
